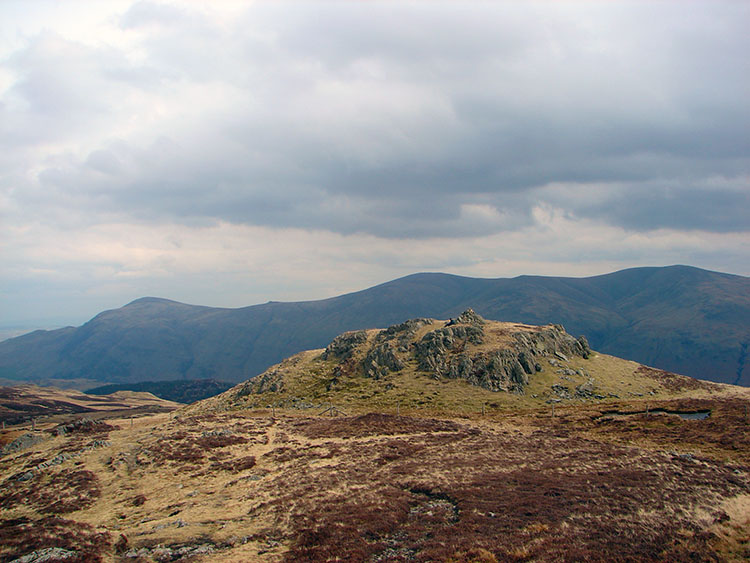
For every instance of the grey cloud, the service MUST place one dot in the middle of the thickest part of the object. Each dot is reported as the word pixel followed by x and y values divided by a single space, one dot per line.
pixel 391 120
pixel 667 206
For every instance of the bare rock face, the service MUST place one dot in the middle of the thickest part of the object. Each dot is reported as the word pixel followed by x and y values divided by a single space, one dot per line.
pixel 342 347
pixel 444 352
pixel 402 333
pixel 23 442
pixel 381 359
pixel 391 345
pixel 435 347
pixel 270 381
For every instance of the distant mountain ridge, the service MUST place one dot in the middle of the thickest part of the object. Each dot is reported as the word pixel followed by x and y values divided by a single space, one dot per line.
pixel 679 318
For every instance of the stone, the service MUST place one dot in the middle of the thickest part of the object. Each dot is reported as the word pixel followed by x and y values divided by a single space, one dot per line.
pixel 49 554
pixel 402 332
pixel 23 442
pixel 468 317
pixel 342 347
pixel 269 381
pixel 561 391
pixel 382 359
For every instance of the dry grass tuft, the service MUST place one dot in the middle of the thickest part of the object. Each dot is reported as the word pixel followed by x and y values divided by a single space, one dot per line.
pixel 61 493
pixel 21 536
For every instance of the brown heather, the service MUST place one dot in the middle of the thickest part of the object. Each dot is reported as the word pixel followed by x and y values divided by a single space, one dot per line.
pixel 513 486
pixel 588 460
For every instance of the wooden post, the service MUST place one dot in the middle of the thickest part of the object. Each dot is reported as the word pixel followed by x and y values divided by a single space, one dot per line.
pixel 482 409
pixel 33 423
pixel 131 422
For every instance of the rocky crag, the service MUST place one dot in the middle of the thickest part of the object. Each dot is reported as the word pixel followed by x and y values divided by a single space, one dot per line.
pixel 495 356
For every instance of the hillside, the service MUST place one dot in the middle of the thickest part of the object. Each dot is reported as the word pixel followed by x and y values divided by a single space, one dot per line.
pixel 465 364
pixel 23 402
pixel 416 470
pixel 676 318
pixel 463 440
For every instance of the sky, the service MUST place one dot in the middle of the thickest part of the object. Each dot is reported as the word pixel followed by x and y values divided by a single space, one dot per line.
pixel 232 153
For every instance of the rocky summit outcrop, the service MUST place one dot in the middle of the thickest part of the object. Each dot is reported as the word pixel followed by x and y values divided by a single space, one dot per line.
pixel 447 352
pixel 493 355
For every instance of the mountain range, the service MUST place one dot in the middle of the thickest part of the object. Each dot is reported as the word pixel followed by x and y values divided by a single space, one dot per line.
pixel 677 318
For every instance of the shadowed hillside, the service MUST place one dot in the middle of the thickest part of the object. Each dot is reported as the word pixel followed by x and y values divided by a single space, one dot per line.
pixel 677 318
pixel 179 391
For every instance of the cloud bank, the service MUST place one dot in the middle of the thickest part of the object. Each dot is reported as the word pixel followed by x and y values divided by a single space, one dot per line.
pixel 230 153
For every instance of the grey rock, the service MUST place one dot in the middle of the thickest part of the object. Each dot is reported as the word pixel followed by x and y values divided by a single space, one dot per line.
pixel 269 381
pixel 403 332
pixel 47 554
pixel 382 359
pixel 23 442
pixel 561 391
pixel 441 352
pixel 342 347
pixel 468 317
pixel 587 391
pixel 220 432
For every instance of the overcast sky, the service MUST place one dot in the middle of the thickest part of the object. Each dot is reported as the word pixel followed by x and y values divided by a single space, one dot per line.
pixel 231 153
